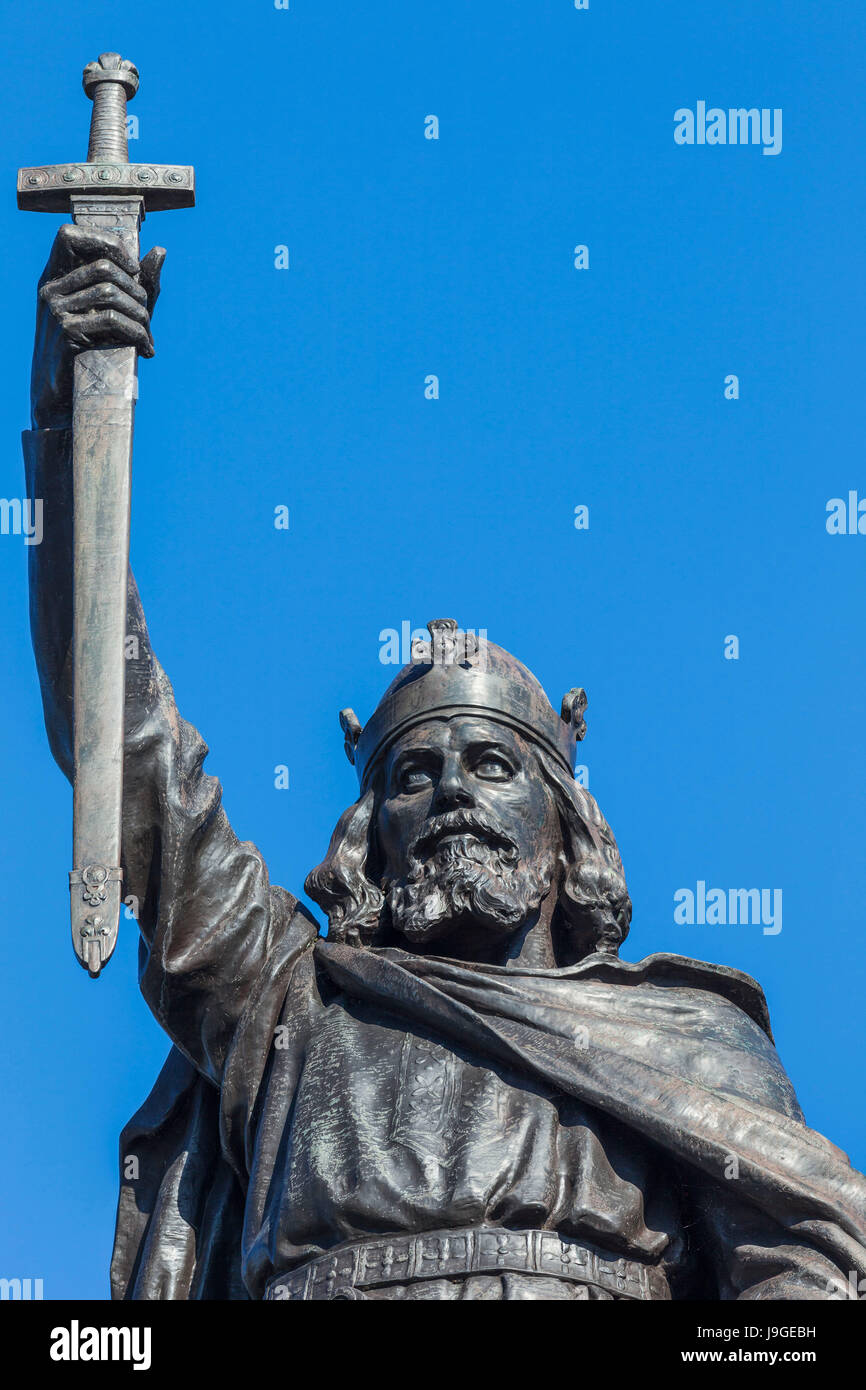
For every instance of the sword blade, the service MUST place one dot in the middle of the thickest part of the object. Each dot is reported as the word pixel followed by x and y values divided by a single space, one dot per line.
pixel 105 391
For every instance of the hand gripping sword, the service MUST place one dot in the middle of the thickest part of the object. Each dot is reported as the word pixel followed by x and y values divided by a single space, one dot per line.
pixel 106 192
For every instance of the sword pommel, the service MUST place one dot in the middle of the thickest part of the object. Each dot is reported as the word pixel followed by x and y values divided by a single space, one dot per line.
pixel 110 83
pixel 110 67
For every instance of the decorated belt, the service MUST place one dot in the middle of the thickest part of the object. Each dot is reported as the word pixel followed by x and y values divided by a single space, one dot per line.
pixel 343 1273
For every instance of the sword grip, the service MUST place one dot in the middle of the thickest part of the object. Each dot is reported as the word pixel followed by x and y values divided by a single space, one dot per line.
pixel 109 83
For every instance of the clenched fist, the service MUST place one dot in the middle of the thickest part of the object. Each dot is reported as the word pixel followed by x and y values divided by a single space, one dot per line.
pixel 93 294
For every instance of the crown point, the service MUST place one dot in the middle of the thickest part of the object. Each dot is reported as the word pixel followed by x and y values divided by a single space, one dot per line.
pixel 436 625
pixel 573 705
pixel 351 726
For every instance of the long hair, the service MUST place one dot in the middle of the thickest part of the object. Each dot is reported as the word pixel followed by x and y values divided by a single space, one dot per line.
pixel 593 912
pixel 593 909
pixel 340 884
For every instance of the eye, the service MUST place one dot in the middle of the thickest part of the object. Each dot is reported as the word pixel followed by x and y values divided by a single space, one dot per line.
pixel 493 768
pixel 413 778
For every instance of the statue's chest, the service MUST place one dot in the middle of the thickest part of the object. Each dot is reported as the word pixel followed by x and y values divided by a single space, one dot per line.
pixel 391 1128
pixel 406 1091
pixel 443 1102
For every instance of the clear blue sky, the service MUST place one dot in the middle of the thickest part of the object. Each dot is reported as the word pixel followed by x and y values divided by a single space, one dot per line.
pixel 558 387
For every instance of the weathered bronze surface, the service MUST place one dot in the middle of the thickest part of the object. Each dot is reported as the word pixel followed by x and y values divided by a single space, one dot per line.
pixel 462 1092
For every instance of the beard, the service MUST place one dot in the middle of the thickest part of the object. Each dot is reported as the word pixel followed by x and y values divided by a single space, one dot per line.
pixel 472 878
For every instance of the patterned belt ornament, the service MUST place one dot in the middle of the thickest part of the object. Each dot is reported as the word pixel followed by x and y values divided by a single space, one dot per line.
pixel 343 1272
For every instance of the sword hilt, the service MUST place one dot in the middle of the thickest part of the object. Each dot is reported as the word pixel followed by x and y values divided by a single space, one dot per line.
pixel 109 82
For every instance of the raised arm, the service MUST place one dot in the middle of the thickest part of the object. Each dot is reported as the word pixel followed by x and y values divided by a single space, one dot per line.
pixel 207 913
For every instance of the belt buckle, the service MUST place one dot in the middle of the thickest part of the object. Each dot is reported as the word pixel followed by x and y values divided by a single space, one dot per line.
pixel 347 1293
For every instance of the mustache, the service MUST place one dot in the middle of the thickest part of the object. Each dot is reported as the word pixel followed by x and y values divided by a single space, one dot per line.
pixel 463 822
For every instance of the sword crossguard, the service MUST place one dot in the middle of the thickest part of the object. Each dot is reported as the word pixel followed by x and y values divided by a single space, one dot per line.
pixel 110 83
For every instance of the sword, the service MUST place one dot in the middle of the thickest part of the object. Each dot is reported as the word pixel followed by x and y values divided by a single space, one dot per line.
pixel 106 192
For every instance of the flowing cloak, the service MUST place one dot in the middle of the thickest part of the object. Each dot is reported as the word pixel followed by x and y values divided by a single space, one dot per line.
pixel 677 1050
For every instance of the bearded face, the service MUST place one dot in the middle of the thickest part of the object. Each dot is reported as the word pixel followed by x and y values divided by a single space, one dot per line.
pixel 468 833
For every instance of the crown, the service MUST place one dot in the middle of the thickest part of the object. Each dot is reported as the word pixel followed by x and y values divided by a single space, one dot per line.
pixel 461 673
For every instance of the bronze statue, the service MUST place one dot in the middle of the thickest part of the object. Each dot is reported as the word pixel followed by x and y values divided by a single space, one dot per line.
pixel 462 1092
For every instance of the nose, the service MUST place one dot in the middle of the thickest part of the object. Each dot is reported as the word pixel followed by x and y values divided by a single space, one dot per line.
pixel 451 789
